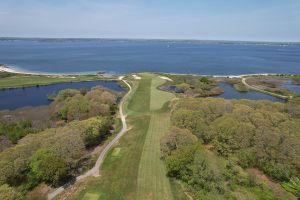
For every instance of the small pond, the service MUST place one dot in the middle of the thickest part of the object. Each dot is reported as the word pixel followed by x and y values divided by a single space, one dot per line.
pixel 37 96
pixel 231 93
pixel 290 85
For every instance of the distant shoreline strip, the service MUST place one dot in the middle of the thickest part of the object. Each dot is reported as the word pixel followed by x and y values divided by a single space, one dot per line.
pixel 11 69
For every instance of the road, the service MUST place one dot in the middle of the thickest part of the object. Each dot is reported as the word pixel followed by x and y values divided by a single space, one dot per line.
pixel 263 91
pixel 96 169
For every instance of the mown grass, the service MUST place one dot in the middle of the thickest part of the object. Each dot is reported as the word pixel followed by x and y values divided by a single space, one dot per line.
pixel 152 180
pixel 17 81
pixel 140 101
pixel 136 171
pixel 158 97
pixel 118 176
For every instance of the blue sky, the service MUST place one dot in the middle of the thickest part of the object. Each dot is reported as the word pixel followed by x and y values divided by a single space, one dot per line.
pixel 258 20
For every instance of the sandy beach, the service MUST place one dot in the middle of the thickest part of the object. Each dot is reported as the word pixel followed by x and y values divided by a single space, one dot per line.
pixel 9 69
pixel 5 68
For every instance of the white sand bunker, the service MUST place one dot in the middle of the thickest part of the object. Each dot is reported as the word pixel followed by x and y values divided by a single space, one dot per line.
pixel 165 78
pixel 120 77
pixel 136 77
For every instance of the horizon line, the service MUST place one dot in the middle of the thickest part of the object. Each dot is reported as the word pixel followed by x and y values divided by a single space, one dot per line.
pixel 151 39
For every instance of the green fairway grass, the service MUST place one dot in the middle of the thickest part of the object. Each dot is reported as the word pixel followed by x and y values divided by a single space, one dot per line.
pixel 133 169
pixel 158 97
pixel 140 101
pixel 152 180
pixel 18 80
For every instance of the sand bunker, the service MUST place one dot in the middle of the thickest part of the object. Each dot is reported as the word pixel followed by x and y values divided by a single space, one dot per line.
pixel 165 78
pixel 136 77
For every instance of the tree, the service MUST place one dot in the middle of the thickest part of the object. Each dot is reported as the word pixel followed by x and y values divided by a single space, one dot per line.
pixel 64 94
pixel 179 163
pixel 78 108
pixel 83 91
pixel 94 130
pixel 205 176
pixel 9 193
pixel 176 139
pixel 69 145
pixel 259 133
pixel 48 166
pixel 205 80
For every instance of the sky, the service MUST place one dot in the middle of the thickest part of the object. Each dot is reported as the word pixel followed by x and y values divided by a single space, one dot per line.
pixel 251 20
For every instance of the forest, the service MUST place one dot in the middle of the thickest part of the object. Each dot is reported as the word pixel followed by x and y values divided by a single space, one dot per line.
pixel 219 148
pixel 80 121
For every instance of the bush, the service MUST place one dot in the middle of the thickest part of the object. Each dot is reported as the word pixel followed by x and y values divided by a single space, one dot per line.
pixel 48 166
pixel 179 163
pixel 72 105
pixel 293 186
pixel 176 139
pixel 16 131
pixel 9 193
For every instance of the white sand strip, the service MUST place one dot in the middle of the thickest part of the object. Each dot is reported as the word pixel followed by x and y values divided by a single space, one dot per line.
pixel 165 78
pixel 136 77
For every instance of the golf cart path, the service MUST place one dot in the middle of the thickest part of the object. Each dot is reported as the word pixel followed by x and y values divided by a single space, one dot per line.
pixel 263 91
pixel 95 170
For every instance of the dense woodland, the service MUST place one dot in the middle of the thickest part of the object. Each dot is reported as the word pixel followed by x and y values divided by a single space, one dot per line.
pixel 54 155
pixel 216 145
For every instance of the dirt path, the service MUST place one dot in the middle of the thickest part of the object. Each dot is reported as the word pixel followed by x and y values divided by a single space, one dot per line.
pixel 95 170
pixel 263 91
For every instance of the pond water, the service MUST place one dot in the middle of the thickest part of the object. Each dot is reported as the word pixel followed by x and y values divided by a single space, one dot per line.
pixel 37 96
pixel 290 85
pixel 231 93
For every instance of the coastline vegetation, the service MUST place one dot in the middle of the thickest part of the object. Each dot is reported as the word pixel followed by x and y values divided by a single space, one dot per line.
pixel 237 84
pixel 192 86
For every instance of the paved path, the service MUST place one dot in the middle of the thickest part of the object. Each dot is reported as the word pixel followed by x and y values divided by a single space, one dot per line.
pixel 95 170
pixel 264 91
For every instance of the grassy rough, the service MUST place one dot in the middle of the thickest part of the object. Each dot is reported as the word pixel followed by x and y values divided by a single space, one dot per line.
pixel 17 81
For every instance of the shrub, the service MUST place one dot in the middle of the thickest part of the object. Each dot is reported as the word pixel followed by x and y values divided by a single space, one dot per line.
pixel 9 193
pixel 176 139
pixel 293 186
pixel 48 166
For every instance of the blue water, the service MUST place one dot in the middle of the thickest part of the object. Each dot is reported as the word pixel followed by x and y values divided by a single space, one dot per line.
pixel 123 56
pixel 37 96
pixel 290 85
pixel 231 93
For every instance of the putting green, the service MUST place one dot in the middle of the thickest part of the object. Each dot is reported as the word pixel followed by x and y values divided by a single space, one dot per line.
pixel 116 151
pixel 91 196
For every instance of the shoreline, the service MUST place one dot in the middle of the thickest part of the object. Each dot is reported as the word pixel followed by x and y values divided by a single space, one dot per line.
pixel 14 70
pixel 10 69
